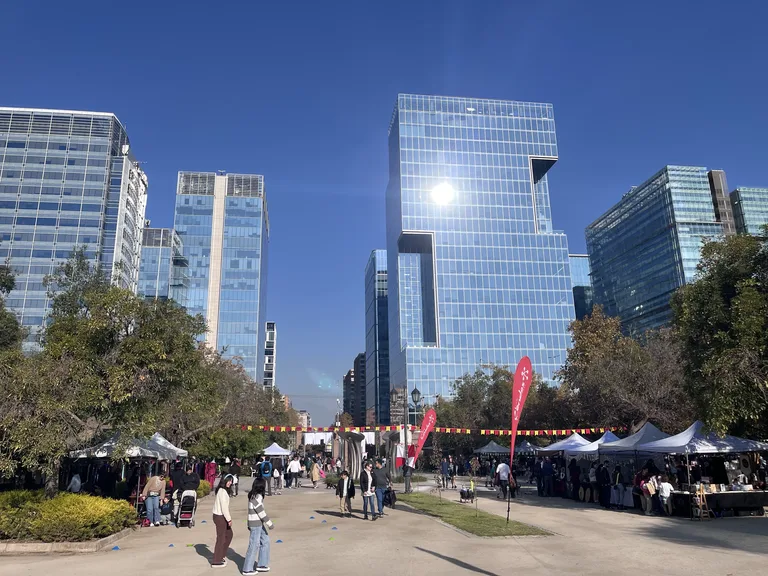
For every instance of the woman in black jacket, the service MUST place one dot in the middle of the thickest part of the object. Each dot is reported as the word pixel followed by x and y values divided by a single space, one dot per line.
pixel 368 488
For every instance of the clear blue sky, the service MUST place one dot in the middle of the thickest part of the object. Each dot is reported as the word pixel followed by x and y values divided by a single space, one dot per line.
pixel 302 92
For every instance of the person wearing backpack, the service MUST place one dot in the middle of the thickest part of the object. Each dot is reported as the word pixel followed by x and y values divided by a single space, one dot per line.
pixel 265 471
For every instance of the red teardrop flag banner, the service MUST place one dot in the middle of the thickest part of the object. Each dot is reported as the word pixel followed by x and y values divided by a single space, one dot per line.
pixel 426 427
pixel 520 387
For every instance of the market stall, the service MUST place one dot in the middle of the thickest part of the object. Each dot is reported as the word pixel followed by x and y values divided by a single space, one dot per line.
pixel 628 445
pixel 492 448
pixel 575 440
pixel 716 472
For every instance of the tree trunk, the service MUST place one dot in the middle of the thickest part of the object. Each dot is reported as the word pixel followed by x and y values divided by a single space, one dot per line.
pixel 52 481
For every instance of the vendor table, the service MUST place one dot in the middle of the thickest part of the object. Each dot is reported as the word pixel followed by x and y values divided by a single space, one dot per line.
pixel 752 500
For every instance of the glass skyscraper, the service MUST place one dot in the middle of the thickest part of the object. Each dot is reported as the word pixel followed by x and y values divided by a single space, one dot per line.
pixel 376 340
pixel 476 273
pixel 648 245
pixel 223 223
pixel 750 209
pixel 163 271
pixel 67 179
pixel 583 296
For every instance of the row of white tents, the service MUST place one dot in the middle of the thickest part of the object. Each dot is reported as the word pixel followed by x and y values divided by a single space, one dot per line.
pixel 647 440
pixel 651 440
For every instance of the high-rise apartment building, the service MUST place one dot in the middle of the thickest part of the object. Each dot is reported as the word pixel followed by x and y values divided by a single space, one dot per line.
pixel 67 179
pixel 163 271
pixel 358 414
pixel 583 296
pixel 476 272
pixel 648 245
pixel 223 223
pixel 376 340
pixel 348 393
pixel 270 355
pixel 750 209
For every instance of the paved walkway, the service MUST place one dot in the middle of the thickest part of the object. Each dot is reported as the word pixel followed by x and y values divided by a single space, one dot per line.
pixel 587 541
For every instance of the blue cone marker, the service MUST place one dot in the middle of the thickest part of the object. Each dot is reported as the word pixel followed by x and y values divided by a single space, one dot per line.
pixel 279 542
pixel 203 521
pixel 170 545
pixel 324 522
pixel 311 517
pixel 334 528
pixel 115 547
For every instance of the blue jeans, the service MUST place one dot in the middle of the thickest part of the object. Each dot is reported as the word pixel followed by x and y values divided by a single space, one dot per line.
pixel 368 501
pixel 153 509
pixel 380 500
pixel 258 547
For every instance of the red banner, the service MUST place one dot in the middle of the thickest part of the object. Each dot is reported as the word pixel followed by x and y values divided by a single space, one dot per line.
pixel 520 387
pixel 426 427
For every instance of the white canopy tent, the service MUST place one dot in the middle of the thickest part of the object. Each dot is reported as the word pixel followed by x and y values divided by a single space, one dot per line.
pixel 158 439
pixel 573 441
pixel 648 433
pixel 493 448
pixel 591 448
pixel 276 450
pixel 695 441
pixel 133 449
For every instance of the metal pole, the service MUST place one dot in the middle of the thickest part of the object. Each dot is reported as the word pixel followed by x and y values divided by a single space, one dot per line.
pixel 405 428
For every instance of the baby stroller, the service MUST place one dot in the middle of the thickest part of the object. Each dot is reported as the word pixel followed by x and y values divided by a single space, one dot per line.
pixel 466 495
pixel 187 509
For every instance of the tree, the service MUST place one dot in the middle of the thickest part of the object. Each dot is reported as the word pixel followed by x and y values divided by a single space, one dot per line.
pixel 722 318
pixel 611 379
pixel 232 442
pixel 346 420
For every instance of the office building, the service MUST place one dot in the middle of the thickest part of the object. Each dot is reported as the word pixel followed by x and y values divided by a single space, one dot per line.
pixel 348 393
pixel 67 179
pixel 376 340
pixel 305 419
pixel 750 209
pixel 582 285
pixel 648 245
pixel 223 223
pixel 163 271
pixel 476 272
pixel 358 415
pixel 270 355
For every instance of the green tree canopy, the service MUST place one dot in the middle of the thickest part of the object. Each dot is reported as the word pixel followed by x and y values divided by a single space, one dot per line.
pixel 722 318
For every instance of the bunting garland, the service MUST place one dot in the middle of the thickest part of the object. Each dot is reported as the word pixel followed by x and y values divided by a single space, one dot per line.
pixel 442 430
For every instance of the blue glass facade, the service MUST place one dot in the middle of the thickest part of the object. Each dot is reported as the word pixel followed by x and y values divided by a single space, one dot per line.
pixel 163 271
pixel 648 245
pixel 66 179
pixel 583 296
pixel 476 273
pixel 750 209
pixel 224 226
pixel 376 339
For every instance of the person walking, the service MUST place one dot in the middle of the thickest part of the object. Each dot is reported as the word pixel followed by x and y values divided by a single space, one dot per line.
pixel 314 474
pixel 452 472
pixel 619 487
pixel 345 491
pixel 503 471
pixel 154 489
pixel 259 526
pixel 382 480
pixel 222 519
pixel 265 471
pixel 277 476
pixel 548 476
pixel 444 473
pixel 294 471
pixel 593 482
pixel 368 488
pixel 604 480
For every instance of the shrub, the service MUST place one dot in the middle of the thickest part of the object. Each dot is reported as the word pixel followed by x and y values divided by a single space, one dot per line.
pixel 26 515
pixel 414 478
pixel 331 480
pixel 204 489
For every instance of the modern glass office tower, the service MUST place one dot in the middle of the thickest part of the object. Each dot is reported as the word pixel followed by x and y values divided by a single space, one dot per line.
pixel 476 273
pixel 223 223
pixel 648 245
pixel 376 340
pixel 750 209
pixel 583 296
pixel 67 179
pixel 163 272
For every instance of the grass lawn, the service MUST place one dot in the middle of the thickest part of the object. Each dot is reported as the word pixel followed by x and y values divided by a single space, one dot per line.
pixel 465 517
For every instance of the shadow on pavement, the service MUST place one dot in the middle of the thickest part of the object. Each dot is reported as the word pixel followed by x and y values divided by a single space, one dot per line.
pixel 457 562
pixel 204 551
pixel 236 558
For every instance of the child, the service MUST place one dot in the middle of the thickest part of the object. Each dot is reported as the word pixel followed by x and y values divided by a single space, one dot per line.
pixel 259 526
pixel 665 493
pixel 345 490
pixel 166 510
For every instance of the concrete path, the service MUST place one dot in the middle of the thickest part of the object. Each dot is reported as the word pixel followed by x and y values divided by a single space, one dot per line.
pixel 587 541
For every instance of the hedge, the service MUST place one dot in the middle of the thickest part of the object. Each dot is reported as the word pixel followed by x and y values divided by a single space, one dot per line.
pixel 26 515
pixel 204 489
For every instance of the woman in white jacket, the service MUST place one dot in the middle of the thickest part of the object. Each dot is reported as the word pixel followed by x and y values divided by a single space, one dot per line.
pixel 222 519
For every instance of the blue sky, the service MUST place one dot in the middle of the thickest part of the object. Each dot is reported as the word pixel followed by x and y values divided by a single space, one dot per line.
pixel 302 92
